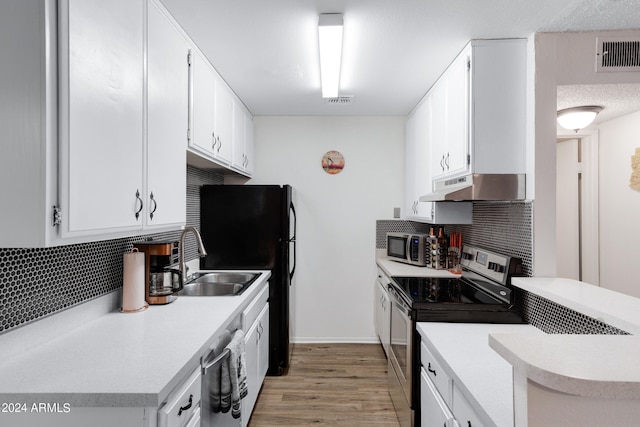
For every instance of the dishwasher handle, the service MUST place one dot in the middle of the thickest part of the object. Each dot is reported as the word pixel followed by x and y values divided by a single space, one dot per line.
pixel 207 365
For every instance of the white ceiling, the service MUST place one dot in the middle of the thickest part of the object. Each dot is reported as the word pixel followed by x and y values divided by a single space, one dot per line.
pixel 393 51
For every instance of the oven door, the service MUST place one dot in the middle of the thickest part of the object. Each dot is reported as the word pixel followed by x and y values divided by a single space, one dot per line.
pixel 400 358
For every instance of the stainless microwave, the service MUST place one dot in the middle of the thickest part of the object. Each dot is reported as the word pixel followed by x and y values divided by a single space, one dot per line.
pixel 410 248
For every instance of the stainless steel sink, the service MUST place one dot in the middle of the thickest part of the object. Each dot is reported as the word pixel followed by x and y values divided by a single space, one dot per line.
pixel 211 284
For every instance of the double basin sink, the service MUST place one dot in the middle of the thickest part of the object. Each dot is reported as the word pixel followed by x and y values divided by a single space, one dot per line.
pixel 215 283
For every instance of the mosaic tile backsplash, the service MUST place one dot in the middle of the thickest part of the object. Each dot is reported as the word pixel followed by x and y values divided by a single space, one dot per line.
pixel 505 227
pixel 37 282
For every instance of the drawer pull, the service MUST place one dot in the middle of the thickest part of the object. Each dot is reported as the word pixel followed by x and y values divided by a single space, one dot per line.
pixel 187 406
pixel 433 371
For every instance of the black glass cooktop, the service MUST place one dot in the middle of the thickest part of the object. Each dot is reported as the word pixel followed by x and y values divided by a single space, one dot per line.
pixel 443 291
pixel 441 299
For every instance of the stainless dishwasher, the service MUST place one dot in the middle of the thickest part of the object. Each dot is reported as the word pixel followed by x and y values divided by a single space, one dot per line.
pixel 210 364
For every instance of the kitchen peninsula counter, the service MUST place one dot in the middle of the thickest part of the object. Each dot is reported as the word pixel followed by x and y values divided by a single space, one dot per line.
pixel 572 379
pixel 117 359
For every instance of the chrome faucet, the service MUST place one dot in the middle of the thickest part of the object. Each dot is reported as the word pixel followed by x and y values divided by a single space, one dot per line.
pixel 202 251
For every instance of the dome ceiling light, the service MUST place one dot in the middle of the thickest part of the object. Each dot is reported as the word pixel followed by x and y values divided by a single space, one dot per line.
pixel 577 118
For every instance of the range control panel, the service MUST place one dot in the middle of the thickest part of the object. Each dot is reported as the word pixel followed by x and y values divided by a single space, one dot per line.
pixel 494 266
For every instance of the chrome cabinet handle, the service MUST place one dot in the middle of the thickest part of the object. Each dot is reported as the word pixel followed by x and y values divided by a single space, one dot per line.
pixel 155 205
pixel 187 406
pixel 446 162
pixel 141 204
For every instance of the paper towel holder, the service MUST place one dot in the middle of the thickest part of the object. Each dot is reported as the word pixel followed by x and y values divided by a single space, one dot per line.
pixel 133 283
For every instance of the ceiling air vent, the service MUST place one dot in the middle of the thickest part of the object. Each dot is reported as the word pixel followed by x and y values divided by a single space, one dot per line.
pixel 340 100
pixel 617 55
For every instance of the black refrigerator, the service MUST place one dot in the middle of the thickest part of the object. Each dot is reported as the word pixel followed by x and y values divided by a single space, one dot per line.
pixel 254 227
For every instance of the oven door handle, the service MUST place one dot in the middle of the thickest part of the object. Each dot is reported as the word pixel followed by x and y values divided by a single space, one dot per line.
pixel 406 311
pixel 397 301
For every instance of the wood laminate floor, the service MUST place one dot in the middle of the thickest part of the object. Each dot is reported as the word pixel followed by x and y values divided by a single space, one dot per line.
pixel 328 385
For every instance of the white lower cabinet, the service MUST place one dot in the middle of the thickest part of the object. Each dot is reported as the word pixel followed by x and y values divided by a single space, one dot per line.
pixel 434 411
pixel 465 414
pixel 257 349
pixel 183 404
pixel 382 314
pixel 256 325
pixel 442 401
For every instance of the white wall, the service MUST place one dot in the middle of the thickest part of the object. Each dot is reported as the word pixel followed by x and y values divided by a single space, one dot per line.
pixel 619 206
pixel 560 59
pixel 332 295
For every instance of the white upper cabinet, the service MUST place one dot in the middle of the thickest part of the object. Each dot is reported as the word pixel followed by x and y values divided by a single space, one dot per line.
pixel 101 54
pixel 220 134
pixel 479 111
pixel 497 136
pixel 417 170
pixel 203 109
pixel 242 140
pixel 420 133
pixel 450 144
pixel 223 121
pixel 82 161
pixel 167 120
pixel 28 163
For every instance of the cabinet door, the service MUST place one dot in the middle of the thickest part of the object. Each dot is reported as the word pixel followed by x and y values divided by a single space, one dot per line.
pixel 382 313
pixel 410 202
pixel 223 121
pixel 203 92
pixel 257 361
pixel 239 136
pixel 438 156
pixel 251 343
pixel 242 139
pixel 422 177
pixel 263 346
pixel 463 411
pixel 101 121
pixel 457 116
pixel 167 118
pixel 248 144
pixel 434 412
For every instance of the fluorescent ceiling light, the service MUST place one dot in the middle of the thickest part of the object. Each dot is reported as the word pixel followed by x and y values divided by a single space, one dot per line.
pixel 577 118
pixel 330 41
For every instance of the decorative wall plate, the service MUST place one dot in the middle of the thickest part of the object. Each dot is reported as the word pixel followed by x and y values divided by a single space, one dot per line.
pixel 333 162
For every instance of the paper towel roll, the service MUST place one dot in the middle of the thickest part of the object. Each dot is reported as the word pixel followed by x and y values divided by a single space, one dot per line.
pixel 133 282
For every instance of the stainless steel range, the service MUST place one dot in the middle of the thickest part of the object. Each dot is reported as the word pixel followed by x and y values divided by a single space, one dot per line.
pixel 481 295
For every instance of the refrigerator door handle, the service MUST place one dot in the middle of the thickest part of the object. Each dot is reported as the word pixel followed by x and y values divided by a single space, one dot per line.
pixel 293 240
pixel 295 220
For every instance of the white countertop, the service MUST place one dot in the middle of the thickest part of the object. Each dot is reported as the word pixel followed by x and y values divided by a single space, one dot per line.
pixel 483 376
pixel 396 268
pixel 603 366
pixel 613 308
pixel 118 359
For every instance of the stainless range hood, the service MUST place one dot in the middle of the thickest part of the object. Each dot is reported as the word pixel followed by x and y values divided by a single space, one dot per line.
pixel 478 187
